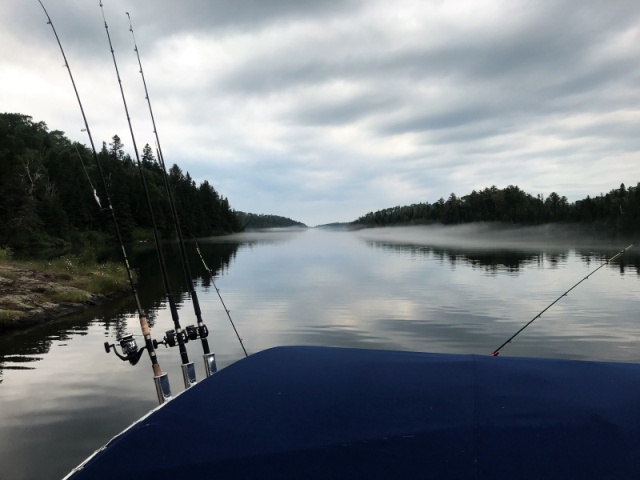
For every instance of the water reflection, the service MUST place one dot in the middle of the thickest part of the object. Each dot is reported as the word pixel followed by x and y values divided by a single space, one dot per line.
pixel 510 260
pixel 17 348
pixel 491 261
pixel 62 396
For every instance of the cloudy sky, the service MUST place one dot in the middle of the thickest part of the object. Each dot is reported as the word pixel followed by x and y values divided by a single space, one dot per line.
pixel 324 110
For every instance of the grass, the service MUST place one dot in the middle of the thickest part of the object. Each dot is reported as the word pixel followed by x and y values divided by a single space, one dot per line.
pixel 86 274
pixel 81 272
pixel 7 315
pixel 105 284
pixel 68 296
pixel 34 287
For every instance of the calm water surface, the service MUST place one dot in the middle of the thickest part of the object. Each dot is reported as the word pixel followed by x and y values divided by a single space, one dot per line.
pixel 458 290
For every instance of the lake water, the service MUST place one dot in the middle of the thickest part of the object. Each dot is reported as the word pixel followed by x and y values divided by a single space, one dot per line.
pixel 458 290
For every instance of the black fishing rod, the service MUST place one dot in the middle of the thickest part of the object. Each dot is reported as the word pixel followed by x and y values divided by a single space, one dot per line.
pixel 496 352
pixel 202 331
pixel 211 273
pixel 177 336
pixel 127 343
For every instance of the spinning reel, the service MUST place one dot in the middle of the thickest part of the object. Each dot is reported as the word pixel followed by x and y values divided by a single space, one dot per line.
pixel 191 332
pixel 129 348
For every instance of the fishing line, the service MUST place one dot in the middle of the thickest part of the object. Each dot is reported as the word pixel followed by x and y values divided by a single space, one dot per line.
pixel 178 335
pixel 496 352
pixel 211 273
pixel 95 193
pixel 202 331
pixel 161 379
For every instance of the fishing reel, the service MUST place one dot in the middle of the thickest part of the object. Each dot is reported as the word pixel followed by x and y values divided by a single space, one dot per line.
pixel 191 332
pixel 129 348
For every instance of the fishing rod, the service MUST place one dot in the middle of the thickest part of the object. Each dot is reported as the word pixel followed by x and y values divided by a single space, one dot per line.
pixel 202 331
pixel 496 352
pixel 177 336
pixel 93 189
pixel 211 273
pixel 127 343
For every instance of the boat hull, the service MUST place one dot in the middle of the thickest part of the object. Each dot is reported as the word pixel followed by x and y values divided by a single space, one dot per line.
pixel 316 412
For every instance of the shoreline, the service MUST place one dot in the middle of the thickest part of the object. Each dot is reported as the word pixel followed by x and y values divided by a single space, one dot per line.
pixel 30 296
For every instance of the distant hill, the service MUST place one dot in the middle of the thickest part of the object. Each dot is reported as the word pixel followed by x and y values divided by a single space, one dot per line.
pixel 339 226
pixel 252 220
pixel 615 212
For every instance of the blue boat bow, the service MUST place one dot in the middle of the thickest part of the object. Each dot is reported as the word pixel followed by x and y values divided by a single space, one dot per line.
pixel 318 412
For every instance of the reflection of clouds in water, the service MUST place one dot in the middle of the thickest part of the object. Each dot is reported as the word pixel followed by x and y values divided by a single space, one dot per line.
pixel 418 298
pixel 74 398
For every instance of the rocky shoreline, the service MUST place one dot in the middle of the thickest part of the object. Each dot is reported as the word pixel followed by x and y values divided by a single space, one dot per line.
pixel 30 297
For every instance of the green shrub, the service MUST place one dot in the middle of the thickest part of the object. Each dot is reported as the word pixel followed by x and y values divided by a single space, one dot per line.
pixel 5 254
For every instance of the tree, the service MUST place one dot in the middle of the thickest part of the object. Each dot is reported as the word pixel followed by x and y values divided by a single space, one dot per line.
pixel 116 148
pixel 148 160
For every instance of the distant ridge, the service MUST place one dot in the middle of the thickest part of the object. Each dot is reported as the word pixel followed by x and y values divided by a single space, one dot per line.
pixel 615 212
pixel 252 221
pixel 339 226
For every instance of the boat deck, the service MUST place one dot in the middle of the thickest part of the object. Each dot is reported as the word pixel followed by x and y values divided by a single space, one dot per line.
pixel 316 412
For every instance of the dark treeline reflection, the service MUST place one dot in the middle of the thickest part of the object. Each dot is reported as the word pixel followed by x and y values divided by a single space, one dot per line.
pixel 512 260
pixel 144 259
pixel 21 349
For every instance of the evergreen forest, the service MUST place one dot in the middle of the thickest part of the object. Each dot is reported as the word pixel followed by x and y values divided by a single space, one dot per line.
pixel 617 212
pixel 47 191
pixel 253 221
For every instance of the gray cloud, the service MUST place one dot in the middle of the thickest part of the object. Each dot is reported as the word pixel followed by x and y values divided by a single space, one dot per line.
pixel 330 109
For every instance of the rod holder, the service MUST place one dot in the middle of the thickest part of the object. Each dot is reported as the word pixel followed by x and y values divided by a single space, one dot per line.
pixel 210 366
pixel 162 388
pixel 189 374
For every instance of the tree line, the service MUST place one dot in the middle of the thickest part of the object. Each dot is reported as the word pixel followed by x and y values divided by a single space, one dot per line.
pixel 46 194
pixel 253 221
pixel 615 212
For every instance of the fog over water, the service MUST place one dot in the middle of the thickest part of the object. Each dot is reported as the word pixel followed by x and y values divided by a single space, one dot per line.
pixel 492 236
